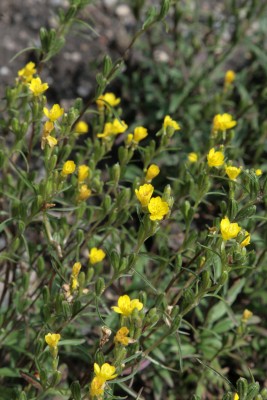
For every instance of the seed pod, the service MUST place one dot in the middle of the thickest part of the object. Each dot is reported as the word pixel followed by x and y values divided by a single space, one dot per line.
pixel 99 286
pixel 242 387
pixel 76 390
pixel 253 390
pixel 232 208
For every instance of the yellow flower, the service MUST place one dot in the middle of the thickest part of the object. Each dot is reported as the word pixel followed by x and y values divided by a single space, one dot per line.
pixel 97 387
pixel 84 193
pixel 105 372
pixel 126 305
pixel 108 99
pixel 129 139
pixel 76 269
pixel 121 336
pixel 81 128
pixel 96 255
pixel 258 172
pixel 215 158
pixel 83 172
pixel 236 397
pixel 74 283
pixel 169 122
pixel 246 241
pixel 46 137
pixel 152 172
pixel 68 168
pixel 232 172
pixel 222 122
pixel 55 113
pixel 37 87
pixel 27 72
pixel 229 77
pixel 113 128
pixel 229 230
pixel 157 208
pixel 52 339
pixel 247 314
pixel 192 157
pixel 144 193
pixel 139 134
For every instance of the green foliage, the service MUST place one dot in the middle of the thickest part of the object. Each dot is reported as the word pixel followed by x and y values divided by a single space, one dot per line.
pixel 134 259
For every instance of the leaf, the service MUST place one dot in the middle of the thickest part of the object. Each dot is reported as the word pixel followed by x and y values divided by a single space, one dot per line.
pixel 71 342
pixel 9 372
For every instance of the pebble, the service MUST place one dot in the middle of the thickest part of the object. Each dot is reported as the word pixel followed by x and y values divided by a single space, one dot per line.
pixel 4 71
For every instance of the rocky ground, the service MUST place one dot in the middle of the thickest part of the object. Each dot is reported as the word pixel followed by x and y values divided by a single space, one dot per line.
pixel 71 73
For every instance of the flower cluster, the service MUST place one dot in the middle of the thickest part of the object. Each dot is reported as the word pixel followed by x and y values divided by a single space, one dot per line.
pixel 157 207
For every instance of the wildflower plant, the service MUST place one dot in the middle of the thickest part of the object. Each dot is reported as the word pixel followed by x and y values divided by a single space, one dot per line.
pixel 112 286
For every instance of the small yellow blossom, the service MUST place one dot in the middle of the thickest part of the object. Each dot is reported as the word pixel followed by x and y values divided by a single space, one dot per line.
pixel 27 72
pixel 246 241
pixel 52 339
pixel 139 134
pixel 37 87
pixel 144 193
pixel 192 157
pixel 113 128
pixel 152 172
pixel 81 127
pixel 129 139
pixel 247 314
pixel 84 193
pixel 232 172
pixel 76 269
pixel 126 305
pixel 157 208
pixel 96 255
pixel 105 372
pixel 74 283
pixel 97 387
pixel 121 336
pixel 68 168
pixel 46 137
pixel 229 230
pixel 83 172
pixel 169 122
pixel 55 113
pixel 107 99
pixel 229 77
pixel 258 172
pixel 236 397
pixel 215 158
pixel 222 122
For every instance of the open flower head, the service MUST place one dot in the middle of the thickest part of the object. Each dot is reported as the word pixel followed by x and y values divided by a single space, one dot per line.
pixel 152 172
pixel 52 339
pixel 144 193
pixel 105 372
pixel 108 99
pixel 192 157
pixel 122 336
pixel 96 255
pixel 83 172
pixel 46 137
pixel 84 193
pixel 246 241
pixel 37 87
pixel 236 397
pixel 215 158
pixel 55 113
pixel 258 172
pixel 157 208
pixel 169 122
pixel 68 168
pixel 232 172
pixel 126 305
pixel 97 387
pixel 81 128
pixel 223 122
pixel 229 77
pixel 139 134
pixel 26 73
pixel 113 128
pixel 229 230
